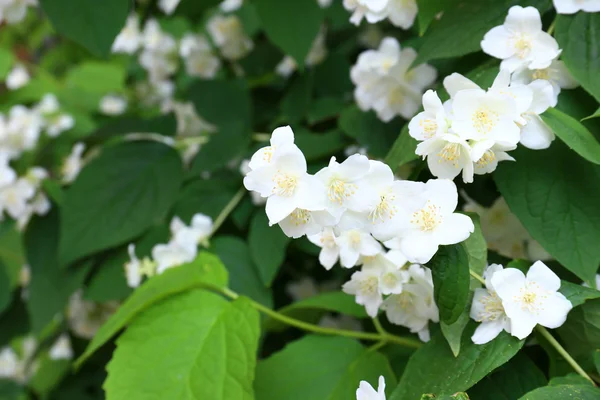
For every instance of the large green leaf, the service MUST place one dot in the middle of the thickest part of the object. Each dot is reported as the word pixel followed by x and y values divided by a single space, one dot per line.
pixel 428 9
pixel 165 125
pixel 281 22
pixel 118 196
pixel 578 294
pixel 50 286
pixel 93 24
pixel 581 332
pixel 192 346
pixel 267 247
pixel 320 368
pixel 206 269
pixel 403 150
pixel 578 36
pixel 562 392
pixel 511 381
pixel 434 369
pixel 452 37
pixel 451 281
pixel 573 133
pixel 97 77
pixel 555 194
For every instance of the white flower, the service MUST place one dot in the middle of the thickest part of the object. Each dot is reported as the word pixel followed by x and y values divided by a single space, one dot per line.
pixel 17 77
pixel 61 349
pixel 557 74
pixel 487 308
pixel 414 307
pixel 190 236
pixel 86 317
pixel 230 5
pixel 112 104
pixel 55 122
pixel 73 163
pixel 447 155
pixel 430 122
pixel 7 174
pixel 136 269
pixel 286 184
pixel 346 186
pixel 21 131
pixel 520 42
pixel 535 134
pixel 330 251
pixel 426 228
pixel 366 392
pixel 129 39
pixel 159 57
pixel 393 277
pixel 353 243
pixel 14 11
pixel 488 157
pixel 402 13
pixel 280 137
pixel 372 10
pixel 200 59
pixel 256 198
pixel 305 222
pixel 572 6
pixel 324 3
pixel 227 32
pixel 15 197
pixel 172 254
pixel 532 299
pixel 286 67
pixel 9 363
pixel 168 6
pixel 189 123
pixel 364 285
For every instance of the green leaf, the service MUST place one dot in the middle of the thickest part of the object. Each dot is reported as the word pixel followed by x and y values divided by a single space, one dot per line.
pixel 511 381
pixel 597 359
pixel 594 115
pixel 48 374
pixel 228 101
pixel 165 125
pixel 195 345
pixel 451 37
pixel 293 35
pixel 5 288
pixel 313 308
pixel 555 194
pixel 319 145
pixel 428 9
pixel 50 286
pixel 476 247
pixel 572 378
pixel 267 247
pixel 206 269
pixel 578 294
pixel 434 369
pixel 320 368
pixel 97 77
pixel 451 281
pixel 296 102
pixel 325 108
pixel 403 150
pixel 92 24
pixel 244 276
pixel 118 196
pixel 453 332
pixel 207 196
pixel 6 62
pixel 574 134
pixel 581 332
pixel 578 36
pixel 368 130
pixel 572 392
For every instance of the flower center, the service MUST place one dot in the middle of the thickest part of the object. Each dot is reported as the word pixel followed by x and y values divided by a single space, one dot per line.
pixel 327 241
pixel 285 184
pixel 405 300
pixel 384 209
pixel 354 237
pixel 340 190
pixel 390 279
pixel 541 74
pixel 300 217
pixel 450 153
pixel 396 96
pixel 487 158
pixel 484 120
pixel 428 218
pixel 531 297
pixel 492 308
pixel 429 127
pixel 522 45
pixel 369 285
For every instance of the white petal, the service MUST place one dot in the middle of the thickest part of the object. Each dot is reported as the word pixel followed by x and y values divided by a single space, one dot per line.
pixel 487 331
pixel 454 229
pixel 521 322
pixel 457 82
pixel 554 311
pixel 279 207
pixel 543 276
pixel 523 19
pixel 328 257
pixel 497 43
pixel 508 283
pixel 536 134
pixel 418 248
pixel 282 136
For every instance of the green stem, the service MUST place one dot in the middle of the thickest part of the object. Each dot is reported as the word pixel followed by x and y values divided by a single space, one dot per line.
pixel 377 337
pixel 561 350
pixel 552 25
pixel 261 137
pixel 235 200
pixel 378 326
pixel 477 276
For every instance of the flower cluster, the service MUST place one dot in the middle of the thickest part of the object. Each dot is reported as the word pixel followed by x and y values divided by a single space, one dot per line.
pixel 385 84
pixel 573 6
pixel 181 248
pixel 401 13
pixel 349 209
pixel 14 11
pixel 516 303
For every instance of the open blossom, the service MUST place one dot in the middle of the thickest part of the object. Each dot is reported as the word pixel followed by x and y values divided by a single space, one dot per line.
pixel 535 134
pixel 303 222
pixel 556 74
pixel 487 308
pixel 354 243
pixel 200 59
pixel 366 392
pixel 14 11
pixel 136 269
pixel 386 84
pixel 55 122
pixel 330 251
pixel 129 40
pixel 227 32
pixel 531 299
pixel 447 155
pixel 112 104
pixel 61 349
pixel 520 42
pixel 280 137
pixel 159 55
pixel 572 6
pixel 364 285
pixel 401 13
pixel 230 5
pixel 17 77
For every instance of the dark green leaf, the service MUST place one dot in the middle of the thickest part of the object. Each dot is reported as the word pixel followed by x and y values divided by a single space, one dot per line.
pixel 222 102
pixel 572 378
pixel 571 392
pixel 368 130
pixel 207 196
pixel 5 288
pixel 594 115
pixel 296 102
pixel 434 369
pixel 581 332
pixel 578 36
pixel 224 146
pixel 574 134
pixel 118 196
pixel 428 9
pixel 555 194
pixel 293 35
pixel 451 281
pixel 319 145
pixel 164 125
pixel 206 269
pixel 578 294
pixel 267 247
pixel 93 24
pixel 325 108
pixel 320 368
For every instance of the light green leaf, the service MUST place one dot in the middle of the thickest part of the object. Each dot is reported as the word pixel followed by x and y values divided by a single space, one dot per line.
pixel 578 294
pixel 578 36
pixel 97 77
pixel 451 37
pixel 594 115
pixel 6 62
pixel 453 332
pixel 313 308
pixel 192 346
pixel 48 374
pixel 206 269
pixel 555 194
pixel 368 130
pixel 581 332
pixel 451 281
pixel 117 197
pixel 476 247
pixel 320 368
pixel 434 369
pixel 574 134
pixel 267 247
pixel 562 392
pixel 293 35
pixel 511 381
pixel 403 150
pixel 572 378
pixel 92 24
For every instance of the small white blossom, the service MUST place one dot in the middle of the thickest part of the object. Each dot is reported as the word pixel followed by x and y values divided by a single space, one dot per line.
pixel 9 363
pixel 73 163
pixel 227 32
pixel 256 198
pixel 366 392
pixel 402 13
pixel 171 255
pixel 190 236
pixel 168 6
pixel 230 5
pixel 61 349
pixel 364 285
pixel 330 252
pixel 556 74
pixel 159 56
pixel 55 122
pixel 354 243
pixel 573 6
pixel 129 39
pixel 280 138
pixel 305 222
pixel 520 42
pixel 532 299
pixel 112 104
pixel 432 121
pixel 86 317
pixel 200 59
pixel 487 308
pixel 17 77
pixel 324 3
pixel 535 134
pixel 136 269
pixel 372 10
pixel 14 11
